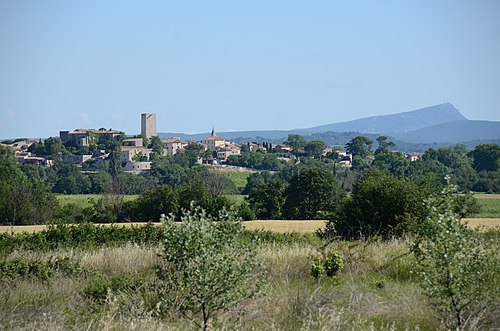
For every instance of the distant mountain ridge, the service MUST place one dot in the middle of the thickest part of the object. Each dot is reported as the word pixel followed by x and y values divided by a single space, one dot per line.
pixel 441 123
pixel 400 122
pixel 458 131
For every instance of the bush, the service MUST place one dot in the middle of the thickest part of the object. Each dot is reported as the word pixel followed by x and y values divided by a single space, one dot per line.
pixel 84 235
pixel 99 286
pixel 153 203
pixel 380 205
pixel 458 269
pixel 38 270
pixel 207 267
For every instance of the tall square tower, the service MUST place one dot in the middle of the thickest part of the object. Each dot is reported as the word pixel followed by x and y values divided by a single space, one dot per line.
pixel 148 125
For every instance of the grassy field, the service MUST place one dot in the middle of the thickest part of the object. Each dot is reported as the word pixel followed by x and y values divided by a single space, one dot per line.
pixel 83 200
pixel 115 289
pixel 235 198
pixel 238 178
pixel 490 205
pixel 291 300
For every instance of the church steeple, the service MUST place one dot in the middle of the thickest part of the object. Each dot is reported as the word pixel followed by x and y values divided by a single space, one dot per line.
pixel 213 131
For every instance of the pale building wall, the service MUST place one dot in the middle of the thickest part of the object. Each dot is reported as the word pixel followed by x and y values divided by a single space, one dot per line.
pixel 148 125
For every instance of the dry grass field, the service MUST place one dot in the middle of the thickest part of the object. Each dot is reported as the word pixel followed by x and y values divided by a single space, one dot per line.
pixel 279 226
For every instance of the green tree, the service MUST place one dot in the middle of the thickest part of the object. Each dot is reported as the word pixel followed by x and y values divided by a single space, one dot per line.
pixel 101 182
pixel 383 144
pixel 22 201
pixel 359 145
pixel 268 199
pixel 153 203
pixel 55 148
pixel 296 142
pixel 457 164
pixel 113 147
pixel 156 145
pixel 208 266
pixel 381 204
pixel 486 157
pixel 391 161
pixel 70 180
pixel 458 268
pixel 314 148
pixel 166 171
pixel 312 194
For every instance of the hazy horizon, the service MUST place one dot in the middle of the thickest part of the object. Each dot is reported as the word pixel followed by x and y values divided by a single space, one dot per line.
pixel 241 66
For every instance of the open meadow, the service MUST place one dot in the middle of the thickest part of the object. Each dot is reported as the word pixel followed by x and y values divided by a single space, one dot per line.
pixel 115 288
pixel 490 205
pixel 104 277
pixel 83 200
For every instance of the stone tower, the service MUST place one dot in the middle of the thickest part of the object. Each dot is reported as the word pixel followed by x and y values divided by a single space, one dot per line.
pixel 148 125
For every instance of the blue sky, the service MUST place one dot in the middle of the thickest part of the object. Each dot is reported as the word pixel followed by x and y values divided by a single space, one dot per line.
pixel 241 65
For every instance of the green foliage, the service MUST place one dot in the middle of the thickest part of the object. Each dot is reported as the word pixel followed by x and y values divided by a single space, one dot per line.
pixel 296 142
pixel 255 179
pixel 37 269
pixel 22 201
pixel 314 148
pixel 380 205
pixel 256 160
pixel 329 266
pixel 312 194
pixel 82 236
pixel 166 171
pixel 486 157
pixel 317 268
pixel 207 267
pixel 359 146
pixel 383 144
pixel 393 162
pixel 458 269
pixel 100 287
pixel 156 145
pixel 333 264
pixel 268 199
pixel 245 212
pixel 70 180
pixel 153 203
pixel 488 181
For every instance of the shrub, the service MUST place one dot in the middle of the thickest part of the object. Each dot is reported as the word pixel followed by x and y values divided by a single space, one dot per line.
pixel 84 235
pixel 207 267
pixel 380 205
pixel 329 264
pixel 458 269
pixel 38 270
pixel 152 203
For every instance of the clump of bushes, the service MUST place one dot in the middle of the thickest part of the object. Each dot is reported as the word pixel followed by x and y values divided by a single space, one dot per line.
pixel 39 270
pixel 84 235
pixel 387 206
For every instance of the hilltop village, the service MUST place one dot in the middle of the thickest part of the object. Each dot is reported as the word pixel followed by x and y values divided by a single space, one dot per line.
pixel 92 149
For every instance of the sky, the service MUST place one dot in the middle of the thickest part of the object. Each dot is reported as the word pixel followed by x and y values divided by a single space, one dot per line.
pixel 241 65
